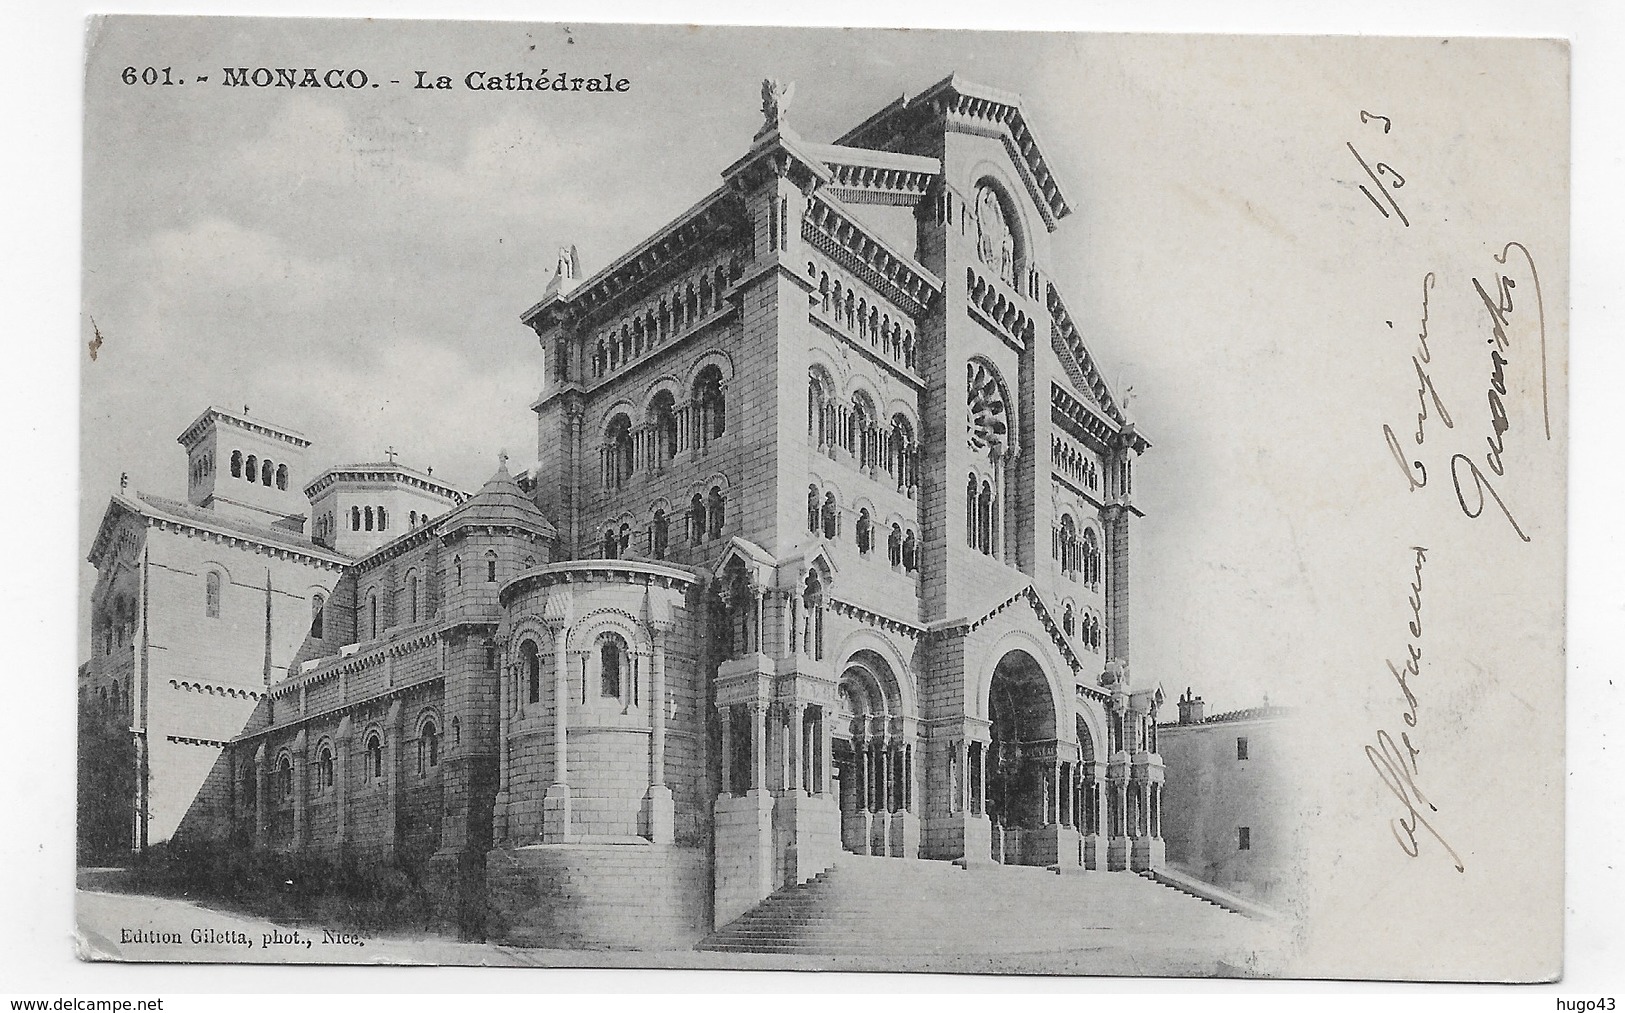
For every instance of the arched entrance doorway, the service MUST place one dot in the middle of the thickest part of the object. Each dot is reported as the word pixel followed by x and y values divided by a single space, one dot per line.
pixel 873 758
pixel 1023 773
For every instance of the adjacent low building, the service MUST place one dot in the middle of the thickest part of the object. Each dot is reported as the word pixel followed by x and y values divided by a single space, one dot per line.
pixel 1226 819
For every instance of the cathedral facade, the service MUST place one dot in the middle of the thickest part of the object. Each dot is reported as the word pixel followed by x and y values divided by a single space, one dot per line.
pixel 825 550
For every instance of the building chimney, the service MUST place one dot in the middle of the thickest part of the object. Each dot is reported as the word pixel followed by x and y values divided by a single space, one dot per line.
pixel 1190 708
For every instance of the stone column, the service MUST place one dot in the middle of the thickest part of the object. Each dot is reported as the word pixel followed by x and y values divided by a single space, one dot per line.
pixel 981 776
pixel 301 791
pixel 262 818
pixel 796 778
pixel 726 715
pixel 392 759
pixel 507 703
pixel 662 812
pixel 556 803
pixel 341 778
pixel 758 746
pixel 826 726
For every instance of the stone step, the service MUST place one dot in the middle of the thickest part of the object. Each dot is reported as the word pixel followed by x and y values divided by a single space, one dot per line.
pixel 868 904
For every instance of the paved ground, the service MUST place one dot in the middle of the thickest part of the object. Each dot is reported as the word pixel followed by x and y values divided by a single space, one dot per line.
pixel 118 926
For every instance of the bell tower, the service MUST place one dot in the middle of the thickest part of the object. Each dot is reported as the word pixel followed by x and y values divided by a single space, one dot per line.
pixel 246 466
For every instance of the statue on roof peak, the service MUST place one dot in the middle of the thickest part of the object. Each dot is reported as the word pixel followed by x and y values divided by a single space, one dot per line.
pixel 776 99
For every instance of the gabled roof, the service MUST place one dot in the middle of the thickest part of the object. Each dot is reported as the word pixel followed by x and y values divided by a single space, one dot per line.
pixel 966 105
pixel 185 515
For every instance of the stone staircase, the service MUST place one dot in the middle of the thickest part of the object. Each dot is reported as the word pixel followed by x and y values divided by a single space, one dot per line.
pixel 887 906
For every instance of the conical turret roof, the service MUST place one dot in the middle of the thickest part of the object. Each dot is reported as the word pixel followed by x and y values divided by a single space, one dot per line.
pixel 500 502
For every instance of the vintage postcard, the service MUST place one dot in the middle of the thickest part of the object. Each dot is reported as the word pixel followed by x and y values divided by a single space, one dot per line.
pixel 609 495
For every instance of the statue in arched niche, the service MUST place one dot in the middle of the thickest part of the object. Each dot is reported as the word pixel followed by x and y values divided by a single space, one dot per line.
pixel 995 243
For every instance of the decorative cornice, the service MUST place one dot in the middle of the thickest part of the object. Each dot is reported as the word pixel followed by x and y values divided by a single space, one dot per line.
pixel 216 690
pixel 967 106
pixel 388 694
pixel 194 432
pixel 718 213
pixel 869 617
pixel 383 473
pixel 866 176
pixel 838 234
pixel 1073 340
pixel 1003 315
pixel 962 627
pixel 153 517
pixel 619 571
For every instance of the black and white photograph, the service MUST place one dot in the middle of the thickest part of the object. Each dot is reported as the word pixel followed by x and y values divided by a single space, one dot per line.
pixel 816 499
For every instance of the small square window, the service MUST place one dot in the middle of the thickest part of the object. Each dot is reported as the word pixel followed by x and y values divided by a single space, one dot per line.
pixel 1244 838
pixel 1241 747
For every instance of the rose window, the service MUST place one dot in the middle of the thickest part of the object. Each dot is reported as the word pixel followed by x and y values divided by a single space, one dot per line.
pixel 989 420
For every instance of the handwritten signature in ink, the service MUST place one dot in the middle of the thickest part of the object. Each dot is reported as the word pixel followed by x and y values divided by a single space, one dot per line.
pixel 1416 474
pixel 1395 760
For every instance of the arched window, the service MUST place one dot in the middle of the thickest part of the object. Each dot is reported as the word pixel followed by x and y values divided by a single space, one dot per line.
pixel 663 414
pixel 612 545
pixel 412 519
pixel 317 605
pixel 412 595
pixel 1068 623
pixel 113 697
pixel 324 768
pixel 1091 558
pixel 909 553
pixel 251 468
pixel 611 660
pixel 383 521
pixel 282 476
pixel 812 600
pixel 970 512
pixel 428 748
pixel 865 532
pixel 372 608
pixel 901 461
pixel 236 464
pixel 355 518
pixel 618 450
pixel 211 595
pixel 284 775
pixel 375 757
pixel 860 431
pixel 713 512
pixel 696 519
pixel 830 515
pixel 812 508
pixel 708 395
pixel 366 518
pixel 456 732
pixel 457 569
pixel 984 519
pixel 531 662
pixel 659 534
pixel 265 473
pixel 490 566
pixel 894 545
pixel 1066 548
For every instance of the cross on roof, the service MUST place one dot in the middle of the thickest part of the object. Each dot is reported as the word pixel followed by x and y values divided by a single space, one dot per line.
pixel 390 450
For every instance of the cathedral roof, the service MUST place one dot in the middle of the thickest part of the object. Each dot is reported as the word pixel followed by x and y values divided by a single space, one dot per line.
pixel 500 502
pixel 967 105
pixel 201 519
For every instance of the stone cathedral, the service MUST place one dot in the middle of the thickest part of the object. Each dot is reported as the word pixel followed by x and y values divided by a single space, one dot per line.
pixel 825 550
